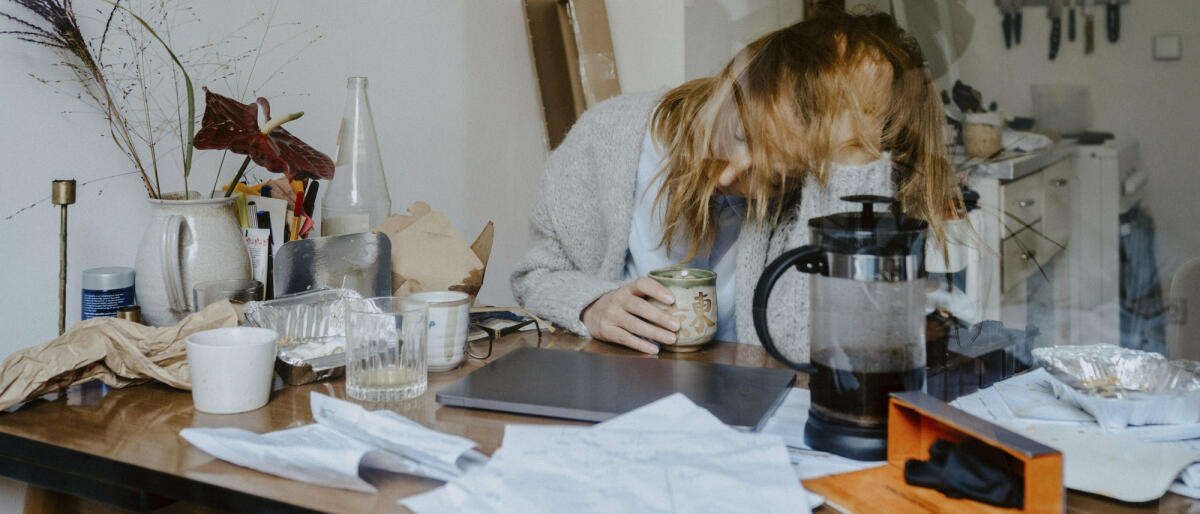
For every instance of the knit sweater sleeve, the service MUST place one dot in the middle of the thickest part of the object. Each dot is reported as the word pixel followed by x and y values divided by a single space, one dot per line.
pixel 547 280
pixel 580 219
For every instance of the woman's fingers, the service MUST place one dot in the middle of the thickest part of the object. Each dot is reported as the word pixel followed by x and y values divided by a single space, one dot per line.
pixel 626 317
pixel 639 327
pixel 604 317
pixel 635 342
pixel 647 286
pixel 645 310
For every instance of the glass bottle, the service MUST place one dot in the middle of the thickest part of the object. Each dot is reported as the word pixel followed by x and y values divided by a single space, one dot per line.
pixel 357 199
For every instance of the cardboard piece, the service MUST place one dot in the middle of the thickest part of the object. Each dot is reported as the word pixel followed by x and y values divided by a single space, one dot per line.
pixel 428 254
pixel 573 60
pixel 915 421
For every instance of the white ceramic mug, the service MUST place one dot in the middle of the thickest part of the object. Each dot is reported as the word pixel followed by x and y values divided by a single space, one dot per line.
pixel 448 319
pixel 231 368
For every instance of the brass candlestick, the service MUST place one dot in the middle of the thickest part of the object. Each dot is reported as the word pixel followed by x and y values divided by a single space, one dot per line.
pixel 62 193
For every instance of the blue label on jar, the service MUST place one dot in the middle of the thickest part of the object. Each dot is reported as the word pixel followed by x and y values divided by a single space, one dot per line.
pixel 100 304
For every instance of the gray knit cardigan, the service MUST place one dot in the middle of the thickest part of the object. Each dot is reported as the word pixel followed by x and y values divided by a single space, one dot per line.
pixel 582 217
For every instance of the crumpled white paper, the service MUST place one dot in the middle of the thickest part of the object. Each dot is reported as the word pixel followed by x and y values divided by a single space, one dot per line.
pixel 433 454
pixel 345 438
pixel 668 456
pixel 311 453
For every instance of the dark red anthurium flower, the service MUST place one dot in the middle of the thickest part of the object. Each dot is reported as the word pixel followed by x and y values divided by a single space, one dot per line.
pixel 231 125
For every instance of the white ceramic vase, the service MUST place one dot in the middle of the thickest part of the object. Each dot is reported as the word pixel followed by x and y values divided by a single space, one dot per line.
pixel 187 242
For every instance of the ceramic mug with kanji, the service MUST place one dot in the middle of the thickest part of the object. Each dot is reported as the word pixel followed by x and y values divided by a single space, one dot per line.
pixel 695 307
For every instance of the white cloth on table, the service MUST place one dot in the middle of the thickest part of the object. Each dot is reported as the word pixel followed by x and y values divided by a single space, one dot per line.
pixel 1095 459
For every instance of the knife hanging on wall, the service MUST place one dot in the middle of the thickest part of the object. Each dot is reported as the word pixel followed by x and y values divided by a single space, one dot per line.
pixel 1089 28
pixel 1113 17
pixel 1017 21
pixel 1071 20
pixel 1054 12
pixel 1006 10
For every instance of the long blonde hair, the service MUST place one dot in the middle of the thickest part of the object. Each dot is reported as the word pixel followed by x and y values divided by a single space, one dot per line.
pixel 783 95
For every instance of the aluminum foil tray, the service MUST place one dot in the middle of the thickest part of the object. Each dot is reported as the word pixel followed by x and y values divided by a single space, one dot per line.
pixel 312 332
pixel 1122 387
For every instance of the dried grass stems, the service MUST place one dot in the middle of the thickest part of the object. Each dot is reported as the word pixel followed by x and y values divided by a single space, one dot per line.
pixel 135 80
pixel 59 29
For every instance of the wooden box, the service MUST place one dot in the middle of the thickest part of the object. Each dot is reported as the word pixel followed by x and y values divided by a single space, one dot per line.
pixel 915 421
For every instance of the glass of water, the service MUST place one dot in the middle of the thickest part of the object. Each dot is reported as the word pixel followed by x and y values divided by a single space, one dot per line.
pixel 385 350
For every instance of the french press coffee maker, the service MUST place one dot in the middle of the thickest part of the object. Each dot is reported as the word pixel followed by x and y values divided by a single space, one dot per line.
pixel 866 322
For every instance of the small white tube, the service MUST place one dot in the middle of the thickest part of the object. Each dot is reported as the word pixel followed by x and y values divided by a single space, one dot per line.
pixel 258 244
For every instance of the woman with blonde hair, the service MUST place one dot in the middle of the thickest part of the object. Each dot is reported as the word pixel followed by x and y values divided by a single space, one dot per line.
pixel 723 173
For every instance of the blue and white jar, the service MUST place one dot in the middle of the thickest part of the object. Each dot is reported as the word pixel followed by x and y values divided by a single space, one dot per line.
pixel 105 290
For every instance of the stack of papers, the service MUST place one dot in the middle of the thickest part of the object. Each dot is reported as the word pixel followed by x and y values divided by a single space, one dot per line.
pixel 344 439
pixel 668 456
pixel 1133 463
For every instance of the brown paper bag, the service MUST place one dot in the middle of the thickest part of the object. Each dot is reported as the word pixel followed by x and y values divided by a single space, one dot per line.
pixel 428 254
pixel 116 351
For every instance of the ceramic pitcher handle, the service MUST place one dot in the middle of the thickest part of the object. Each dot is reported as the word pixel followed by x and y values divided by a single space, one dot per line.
pixel 171 271
pixel 807 259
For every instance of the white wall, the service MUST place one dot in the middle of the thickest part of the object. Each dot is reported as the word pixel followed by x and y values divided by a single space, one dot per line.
pixel 715 30
pixel 452 92
pixel 664 43
pixel 647 42
pixel 1132 96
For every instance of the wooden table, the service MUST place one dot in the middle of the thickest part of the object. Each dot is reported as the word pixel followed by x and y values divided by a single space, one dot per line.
pixel 123 446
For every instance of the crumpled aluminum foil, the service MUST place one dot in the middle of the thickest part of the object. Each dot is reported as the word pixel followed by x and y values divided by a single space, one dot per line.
pixel 1112 371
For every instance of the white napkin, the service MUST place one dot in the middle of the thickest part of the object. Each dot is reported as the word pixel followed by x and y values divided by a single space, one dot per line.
pixel 1135 463
pixel 1030 398
pixel 1113 465
pixel 1135 409
pixel 345 438
pixel 668 456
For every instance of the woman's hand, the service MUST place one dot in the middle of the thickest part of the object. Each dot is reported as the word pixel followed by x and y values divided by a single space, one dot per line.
pixel 625 316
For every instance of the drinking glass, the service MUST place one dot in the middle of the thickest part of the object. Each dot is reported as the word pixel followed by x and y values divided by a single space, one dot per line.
pixel 385 350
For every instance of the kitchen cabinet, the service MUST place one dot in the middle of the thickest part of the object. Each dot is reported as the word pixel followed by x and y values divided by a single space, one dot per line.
pixel 1048 241
pixel 1020 258
pixel 1108 182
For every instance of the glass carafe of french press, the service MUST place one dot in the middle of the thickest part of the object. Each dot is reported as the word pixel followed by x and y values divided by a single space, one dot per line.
pixel 866 322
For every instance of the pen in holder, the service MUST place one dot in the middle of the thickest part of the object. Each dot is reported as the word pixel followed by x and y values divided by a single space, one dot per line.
pixel 62 193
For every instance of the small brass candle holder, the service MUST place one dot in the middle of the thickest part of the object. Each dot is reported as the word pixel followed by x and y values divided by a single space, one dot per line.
pixel 62 193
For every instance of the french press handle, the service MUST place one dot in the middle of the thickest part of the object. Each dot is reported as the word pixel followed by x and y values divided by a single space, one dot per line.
pixel 807 259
